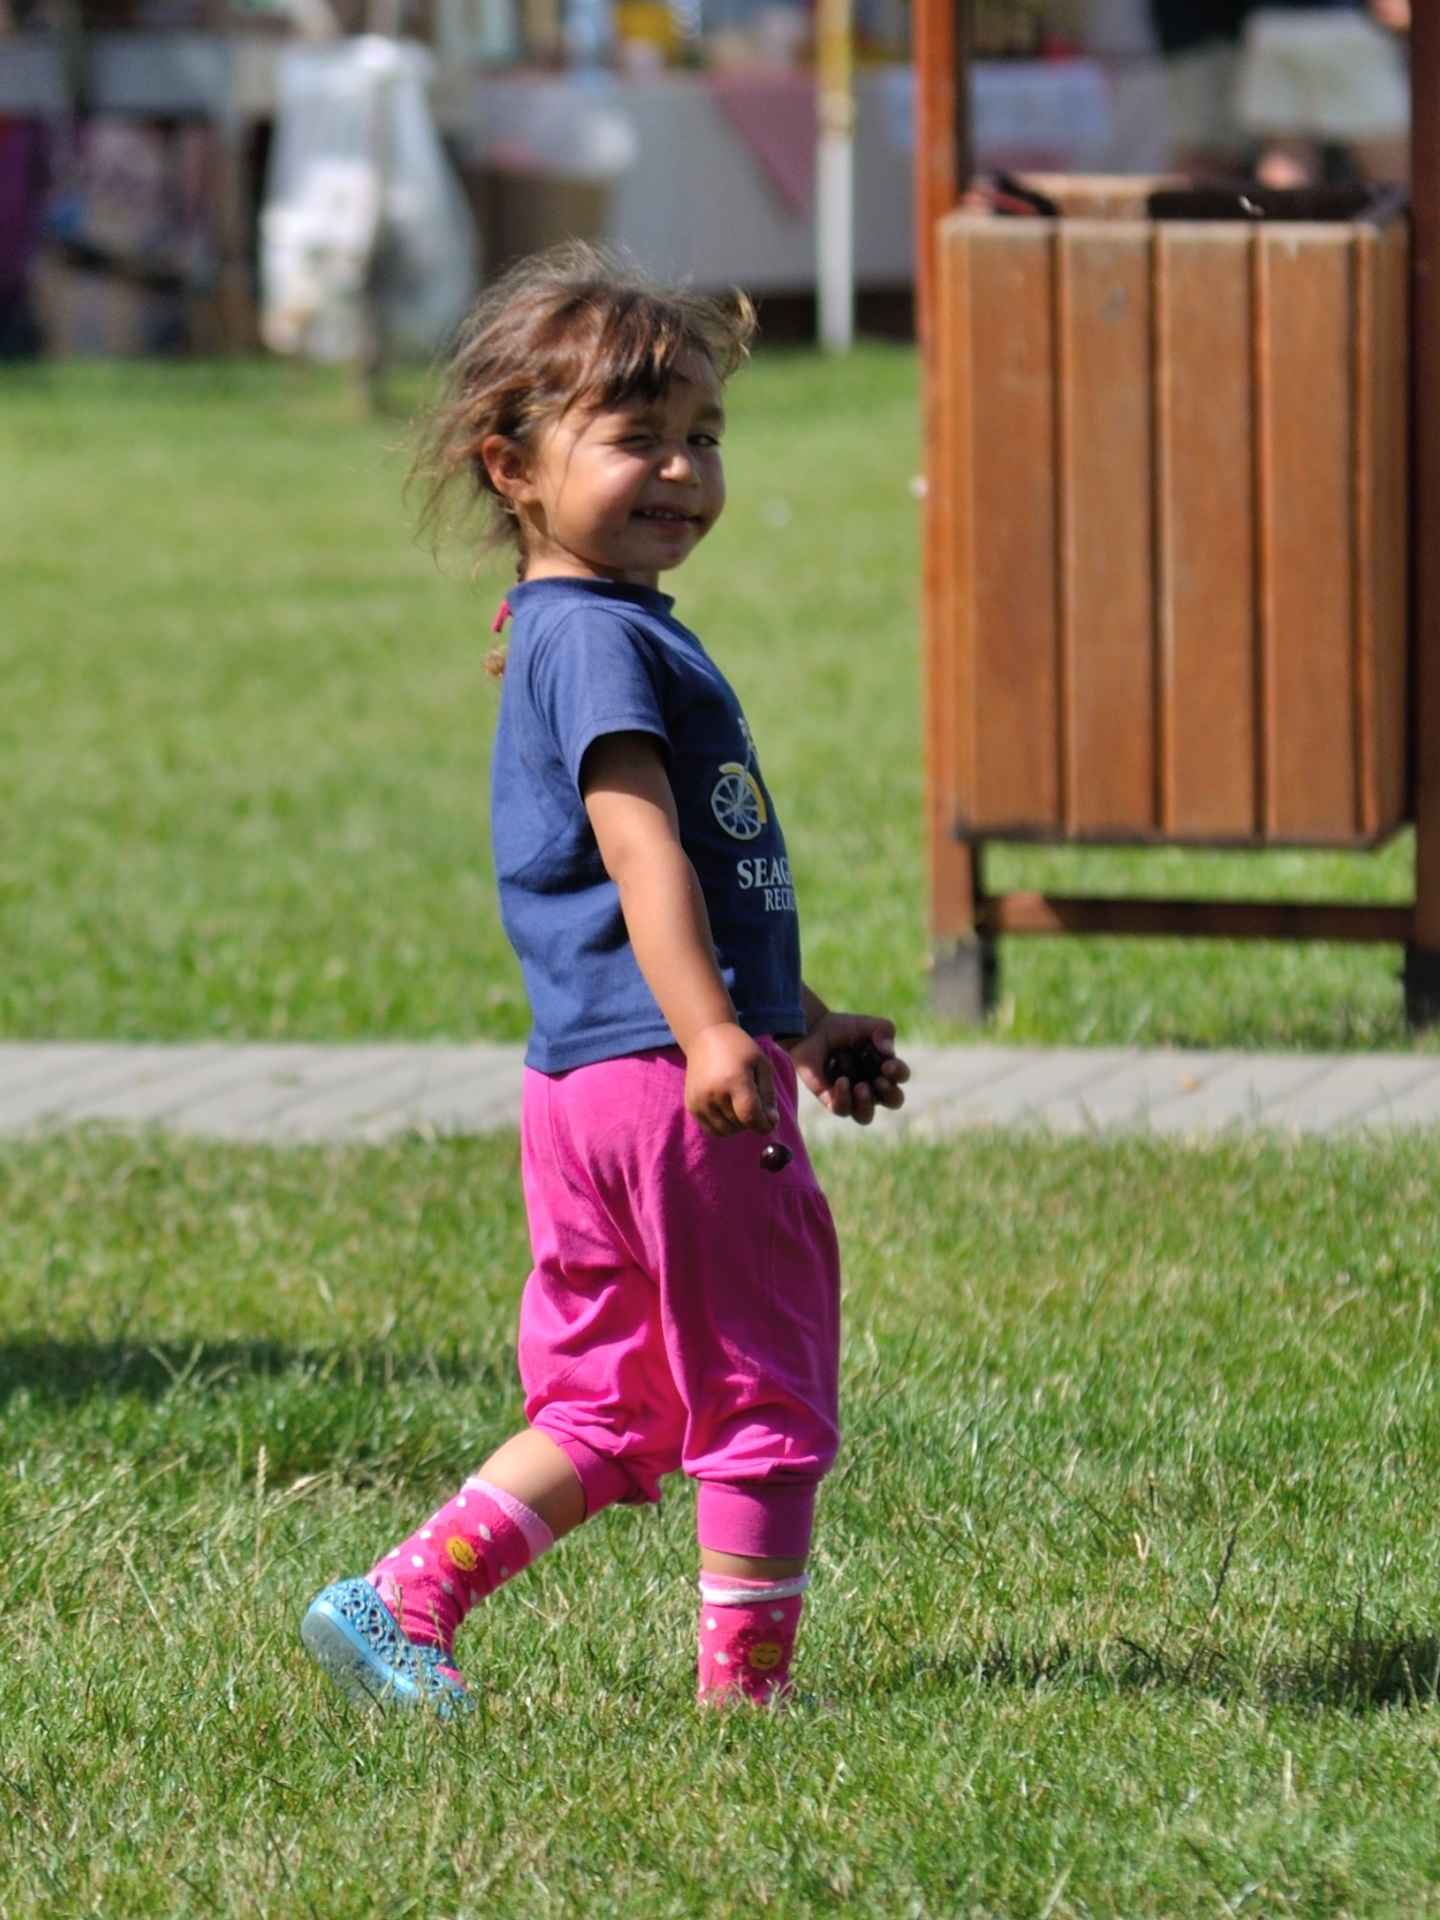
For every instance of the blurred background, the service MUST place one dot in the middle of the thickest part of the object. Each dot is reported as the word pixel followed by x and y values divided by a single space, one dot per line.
pixel 193 176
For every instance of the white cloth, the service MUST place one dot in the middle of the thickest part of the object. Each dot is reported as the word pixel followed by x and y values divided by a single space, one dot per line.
pixel 1321 73
pixel 361 206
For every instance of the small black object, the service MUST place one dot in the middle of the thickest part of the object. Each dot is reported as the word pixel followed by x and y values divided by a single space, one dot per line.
pixel 1248 200
pixel 774 1158
pixel 859 1065
pixel 1012 196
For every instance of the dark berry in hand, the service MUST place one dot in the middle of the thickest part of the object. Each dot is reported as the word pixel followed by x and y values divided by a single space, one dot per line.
pixel 859 1065
pixel 774 1158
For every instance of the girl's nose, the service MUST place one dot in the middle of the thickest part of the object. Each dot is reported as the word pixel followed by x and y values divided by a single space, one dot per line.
pixel 679 462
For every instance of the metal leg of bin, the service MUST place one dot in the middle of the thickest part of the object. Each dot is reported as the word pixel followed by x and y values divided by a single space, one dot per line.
pixel 965 960
pixel 966 980
pixel 1422 987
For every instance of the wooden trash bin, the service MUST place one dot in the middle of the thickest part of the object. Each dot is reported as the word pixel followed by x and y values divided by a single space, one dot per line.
pixel 1168 537
pixel 1174 469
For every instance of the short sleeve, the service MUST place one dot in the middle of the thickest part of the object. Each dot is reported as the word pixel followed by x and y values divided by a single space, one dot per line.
pixel 595 675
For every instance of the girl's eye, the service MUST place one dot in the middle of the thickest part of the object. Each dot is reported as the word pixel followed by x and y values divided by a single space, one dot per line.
pixel 704 439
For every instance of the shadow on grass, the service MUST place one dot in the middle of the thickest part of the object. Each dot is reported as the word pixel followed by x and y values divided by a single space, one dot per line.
pixel 1356 1669
pixel 68 1372
pixel 1365 1670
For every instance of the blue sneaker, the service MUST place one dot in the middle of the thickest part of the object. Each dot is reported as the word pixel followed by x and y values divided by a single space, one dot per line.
pixel 353 1637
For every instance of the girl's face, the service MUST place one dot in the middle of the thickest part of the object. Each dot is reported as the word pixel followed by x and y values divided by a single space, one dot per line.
pixel 622 494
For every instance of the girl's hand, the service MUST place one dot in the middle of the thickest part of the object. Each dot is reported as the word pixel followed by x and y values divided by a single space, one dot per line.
pixel 729 1083
pixel 832 1030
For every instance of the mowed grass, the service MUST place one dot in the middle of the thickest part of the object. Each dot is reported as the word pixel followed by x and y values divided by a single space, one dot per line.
pixel 1126 1586
pixel 245 731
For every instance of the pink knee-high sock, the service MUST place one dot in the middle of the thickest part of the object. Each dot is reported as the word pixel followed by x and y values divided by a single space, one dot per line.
pixel 747 1636
pixel 480 1538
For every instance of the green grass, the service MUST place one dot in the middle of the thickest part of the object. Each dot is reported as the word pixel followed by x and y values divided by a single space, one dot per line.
pixel 245 732
pixel 1126 1595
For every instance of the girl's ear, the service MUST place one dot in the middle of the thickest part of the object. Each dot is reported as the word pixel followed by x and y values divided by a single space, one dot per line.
pixel 508 467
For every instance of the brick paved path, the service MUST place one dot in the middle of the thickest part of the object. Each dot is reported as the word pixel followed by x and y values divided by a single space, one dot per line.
pixel 372 1092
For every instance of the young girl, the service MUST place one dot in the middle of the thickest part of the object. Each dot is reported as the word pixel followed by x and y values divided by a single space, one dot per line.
pixel 683 1308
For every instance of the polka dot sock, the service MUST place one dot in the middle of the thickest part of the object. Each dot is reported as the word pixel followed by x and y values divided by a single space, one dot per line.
pixel 431 1581
pixel 747 1636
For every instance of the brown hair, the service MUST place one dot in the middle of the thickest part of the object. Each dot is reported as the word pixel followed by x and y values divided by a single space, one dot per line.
pixel 569 327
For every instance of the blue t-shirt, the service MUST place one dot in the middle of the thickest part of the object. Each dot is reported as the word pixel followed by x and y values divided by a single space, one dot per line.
pixel 589 658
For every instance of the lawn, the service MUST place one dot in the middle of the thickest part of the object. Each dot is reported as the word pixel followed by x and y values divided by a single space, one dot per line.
pixel 245 731
pixel 1125 1595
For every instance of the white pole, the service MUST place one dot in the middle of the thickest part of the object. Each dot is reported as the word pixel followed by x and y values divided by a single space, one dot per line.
pixel 835 176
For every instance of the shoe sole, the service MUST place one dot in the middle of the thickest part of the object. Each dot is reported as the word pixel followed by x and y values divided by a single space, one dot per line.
pixel 342 1656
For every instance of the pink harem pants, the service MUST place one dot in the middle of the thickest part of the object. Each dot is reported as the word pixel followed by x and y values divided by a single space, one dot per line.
pixel 684 1308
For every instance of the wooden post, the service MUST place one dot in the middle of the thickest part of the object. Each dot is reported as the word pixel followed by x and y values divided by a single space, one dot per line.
pixel 942 141
pixel 1422 957
pixel 962 957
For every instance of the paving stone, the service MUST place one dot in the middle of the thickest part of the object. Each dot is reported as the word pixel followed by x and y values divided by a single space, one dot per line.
pixel 25 1065
pixel 482 1105
pixel 155 1091
pixel 67 1092
pixel 942 1076
pixel 1235 1097
pixel 1418 1107
pixel 1352 1088
pixel 255 1108
pixel 439 1088
pixel 1125 1098
pixel 1043 1078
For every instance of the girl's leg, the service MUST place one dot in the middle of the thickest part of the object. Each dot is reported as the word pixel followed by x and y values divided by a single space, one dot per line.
pixel 750 1602
pixel 387 1638
pixel 532 1468
pixel 522 1500
pixel 739 1566
pixel 749 1618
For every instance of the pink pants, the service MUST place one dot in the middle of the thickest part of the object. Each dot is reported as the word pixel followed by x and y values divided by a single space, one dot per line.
pixel 684 1309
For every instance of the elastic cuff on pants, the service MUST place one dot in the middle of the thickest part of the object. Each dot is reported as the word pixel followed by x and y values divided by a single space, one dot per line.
pixel 758 1519
pixel 603 1481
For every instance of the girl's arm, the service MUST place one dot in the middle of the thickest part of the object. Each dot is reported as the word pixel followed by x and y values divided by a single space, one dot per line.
pixel 729 1084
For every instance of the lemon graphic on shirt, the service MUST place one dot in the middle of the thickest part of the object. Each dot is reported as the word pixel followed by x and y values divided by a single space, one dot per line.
pixel 737 802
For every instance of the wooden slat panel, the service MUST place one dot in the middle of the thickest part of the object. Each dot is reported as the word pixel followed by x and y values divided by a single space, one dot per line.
pixel 1367 297
pixel 949 612
pixel 1012 390
pixel 1107 611
pixel 951 504
pixel 1382 482
pixel 1305 363
pixel 1206 532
